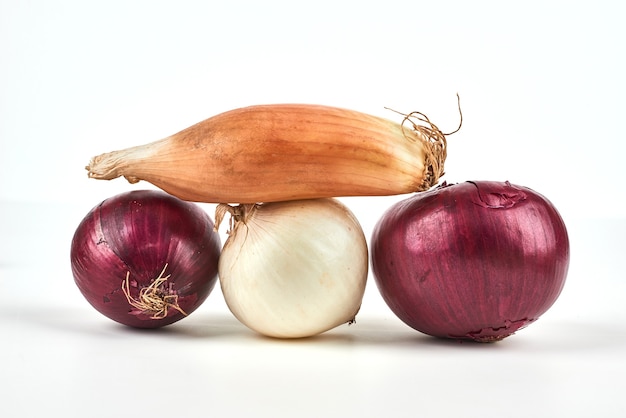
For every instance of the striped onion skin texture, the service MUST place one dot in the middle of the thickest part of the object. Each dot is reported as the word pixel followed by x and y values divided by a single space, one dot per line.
pixel 294 269
pixel 472 261
pixel 268 153
pixel 145 243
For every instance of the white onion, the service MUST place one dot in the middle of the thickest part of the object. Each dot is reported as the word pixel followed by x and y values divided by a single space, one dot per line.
pixel 293 269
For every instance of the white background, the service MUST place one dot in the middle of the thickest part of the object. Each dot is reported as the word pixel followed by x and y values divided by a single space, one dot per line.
pixel 542 91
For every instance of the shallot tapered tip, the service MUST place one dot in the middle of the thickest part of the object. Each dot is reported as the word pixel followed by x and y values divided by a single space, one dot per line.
pixel 124 162
pixel 103 167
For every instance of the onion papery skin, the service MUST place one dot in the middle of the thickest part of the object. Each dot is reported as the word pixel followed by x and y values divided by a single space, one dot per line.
pixel 473 261
pixel 139 233
pixel 294 269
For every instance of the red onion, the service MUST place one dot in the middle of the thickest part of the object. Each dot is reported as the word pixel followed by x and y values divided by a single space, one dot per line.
pixel 145 259
pixel 477 260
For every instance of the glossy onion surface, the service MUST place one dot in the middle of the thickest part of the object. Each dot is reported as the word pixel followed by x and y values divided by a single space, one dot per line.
pixel 136 238
pixel 295 269
pixel 476 260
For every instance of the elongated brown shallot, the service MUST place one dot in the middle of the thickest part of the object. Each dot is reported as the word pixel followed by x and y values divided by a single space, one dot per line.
pixel 286 152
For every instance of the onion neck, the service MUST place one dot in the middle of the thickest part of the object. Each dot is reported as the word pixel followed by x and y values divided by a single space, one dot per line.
pixel 114 164
pixel 238 213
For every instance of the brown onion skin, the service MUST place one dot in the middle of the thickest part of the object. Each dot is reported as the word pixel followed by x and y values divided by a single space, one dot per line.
pixel 471 261
pixel 139 232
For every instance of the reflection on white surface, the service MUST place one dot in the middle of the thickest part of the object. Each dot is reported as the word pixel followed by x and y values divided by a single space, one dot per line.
pixel 568 363
pixel 79 363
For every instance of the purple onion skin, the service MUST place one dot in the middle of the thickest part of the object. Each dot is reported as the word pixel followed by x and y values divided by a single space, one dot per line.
pixel 471 261
pixel 140 232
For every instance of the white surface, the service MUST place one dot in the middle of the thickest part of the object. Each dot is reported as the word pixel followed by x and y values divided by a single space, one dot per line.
pixel 542 91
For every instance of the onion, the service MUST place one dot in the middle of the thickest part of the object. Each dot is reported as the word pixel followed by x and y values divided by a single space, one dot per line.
pixel 145 259
pixel 285 152
pixel 293 269
pixel 477 260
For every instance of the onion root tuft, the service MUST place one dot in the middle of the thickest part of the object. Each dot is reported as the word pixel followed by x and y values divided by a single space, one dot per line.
pixel 153 299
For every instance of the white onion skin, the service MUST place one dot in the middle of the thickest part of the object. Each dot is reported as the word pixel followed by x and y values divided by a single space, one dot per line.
pixel 295 269
pixel 473 261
